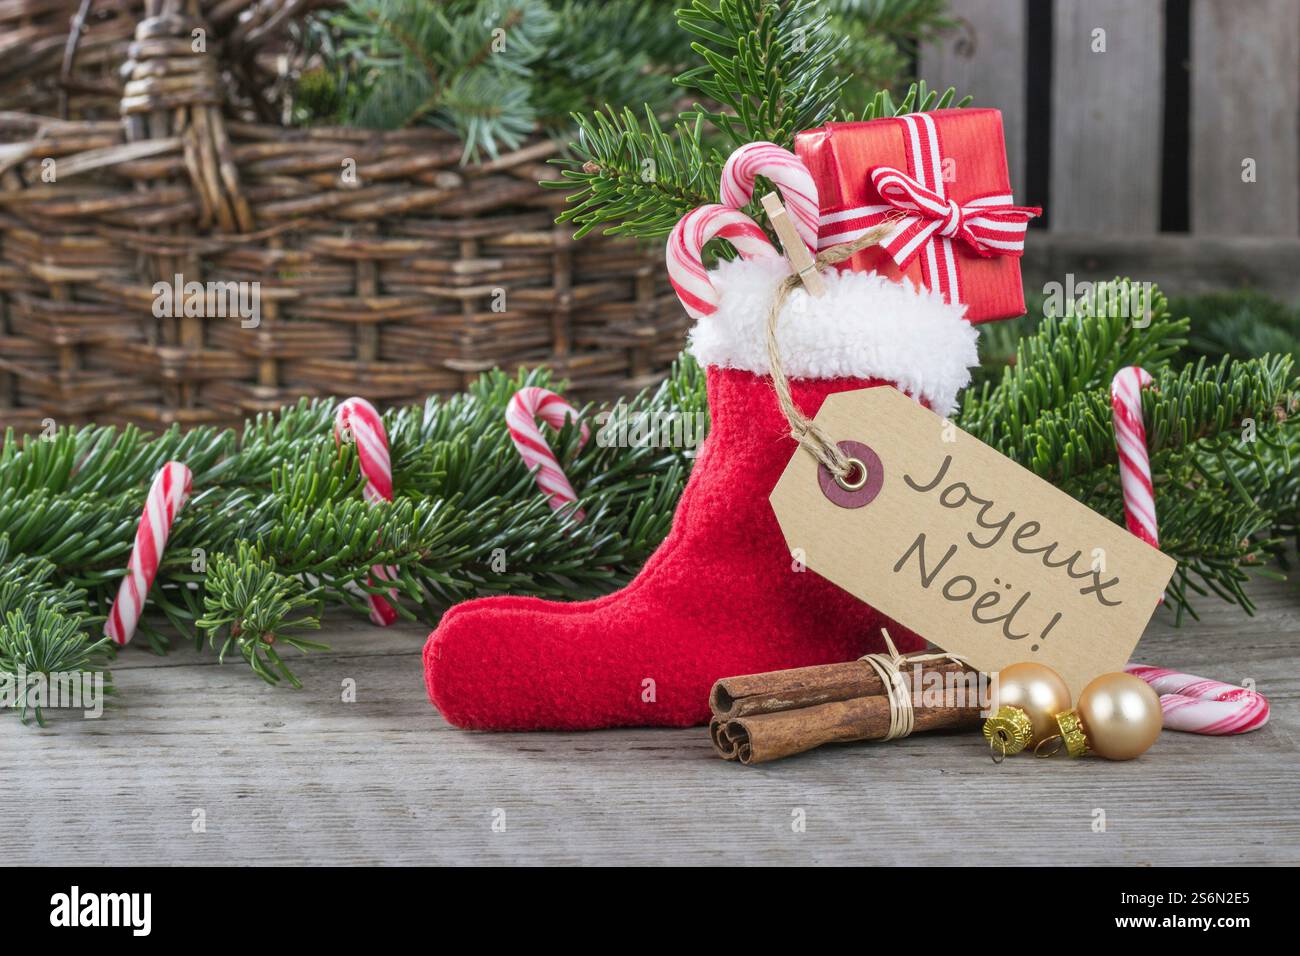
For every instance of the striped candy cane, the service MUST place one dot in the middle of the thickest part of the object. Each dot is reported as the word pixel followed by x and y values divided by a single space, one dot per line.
pixel 1131 443
pixel 359 419
pixel 1192 704
pixel 1198 705
pixel 167 495
pixel 525 407
pixel 685 267
pixel 787 172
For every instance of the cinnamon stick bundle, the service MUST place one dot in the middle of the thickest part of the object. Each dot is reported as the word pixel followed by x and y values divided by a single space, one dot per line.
pixel 763 717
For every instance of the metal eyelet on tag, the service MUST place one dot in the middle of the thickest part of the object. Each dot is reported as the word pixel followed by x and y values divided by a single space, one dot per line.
pixel 856 479
pixel 860 486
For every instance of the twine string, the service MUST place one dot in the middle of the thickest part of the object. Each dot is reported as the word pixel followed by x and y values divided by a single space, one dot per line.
pixel 810 436
pixel 888 666
pixel 802 428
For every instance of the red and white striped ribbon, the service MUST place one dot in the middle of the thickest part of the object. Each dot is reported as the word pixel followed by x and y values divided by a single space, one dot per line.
pixel 1134 460
pixel 357 418
pixel 1198 705
pixel 686 244
pixel 786 171
pixel 930 222
pixel 525 407
pixel 167 495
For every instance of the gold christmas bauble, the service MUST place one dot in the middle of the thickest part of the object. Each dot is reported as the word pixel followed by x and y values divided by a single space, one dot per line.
pixel 1037 690
pixel 1121 716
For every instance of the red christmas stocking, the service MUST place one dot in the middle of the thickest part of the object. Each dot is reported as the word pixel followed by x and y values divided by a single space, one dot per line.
pixel 723 594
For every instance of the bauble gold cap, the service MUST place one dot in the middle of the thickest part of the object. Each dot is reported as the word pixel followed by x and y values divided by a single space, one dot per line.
pixel 1008 731
pixel 1076 744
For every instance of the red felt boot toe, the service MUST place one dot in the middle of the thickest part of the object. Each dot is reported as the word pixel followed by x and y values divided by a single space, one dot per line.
pixel 722 596
pixel 458 659
pixel 500 665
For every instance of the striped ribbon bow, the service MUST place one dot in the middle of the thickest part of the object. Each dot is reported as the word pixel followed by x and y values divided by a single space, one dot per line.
pixel 990 224
pixel 930 221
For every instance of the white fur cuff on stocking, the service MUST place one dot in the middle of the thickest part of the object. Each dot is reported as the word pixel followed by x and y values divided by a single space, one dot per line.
pixel 865 326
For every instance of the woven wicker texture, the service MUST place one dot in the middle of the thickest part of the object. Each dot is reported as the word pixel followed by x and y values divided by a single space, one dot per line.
pixel 381 266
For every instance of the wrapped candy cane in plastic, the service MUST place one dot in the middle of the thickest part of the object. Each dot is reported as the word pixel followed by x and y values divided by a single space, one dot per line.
pixel 1199 705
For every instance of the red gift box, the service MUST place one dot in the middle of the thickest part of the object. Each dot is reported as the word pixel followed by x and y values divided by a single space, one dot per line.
pixel 941 178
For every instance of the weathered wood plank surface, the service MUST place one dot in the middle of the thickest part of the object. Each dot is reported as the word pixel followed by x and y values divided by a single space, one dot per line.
pixel 1107 106
pixel 1245 84
pixel 299 777
pixel 985 58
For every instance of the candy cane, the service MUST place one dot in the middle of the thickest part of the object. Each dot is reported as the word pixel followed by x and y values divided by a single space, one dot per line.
pixel 1131 443
pixel 359 419
pixel 167 495
pixel 787 172
pixel 525 407
pixel 686 269
pixel 1192 704
pixel 1198 705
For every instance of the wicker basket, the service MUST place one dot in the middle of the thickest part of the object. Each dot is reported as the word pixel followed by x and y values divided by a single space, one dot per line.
pixel 382 266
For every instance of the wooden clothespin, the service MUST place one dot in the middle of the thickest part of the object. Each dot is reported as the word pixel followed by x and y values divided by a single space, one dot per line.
pixel 801 260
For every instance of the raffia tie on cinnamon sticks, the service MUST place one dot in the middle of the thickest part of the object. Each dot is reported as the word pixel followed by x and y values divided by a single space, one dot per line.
pixel 763 717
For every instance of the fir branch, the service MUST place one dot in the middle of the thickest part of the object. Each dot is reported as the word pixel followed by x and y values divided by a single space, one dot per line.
pixel 492 71
pixel 769 65
pixel 1080 349
pixel 906 22
pixel 488 110
pixel 1241 323
pixel 614 53
pixel 50 647
pixel 249 606
pixel 1068 442
pixel 45 631
pixel 87 538
pixel 464 65
pixel 632 180
pixel 277 520
pixel 918 98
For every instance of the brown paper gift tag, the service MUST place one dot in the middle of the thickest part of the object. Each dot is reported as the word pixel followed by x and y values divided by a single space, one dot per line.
pixel 966 547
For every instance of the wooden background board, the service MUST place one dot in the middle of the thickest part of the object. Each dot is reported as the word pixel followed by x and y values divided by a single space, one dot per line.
pixel 1245 87
pixel 1106 116
pixel 1107 141
pixel 300 777
pixel 993 31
